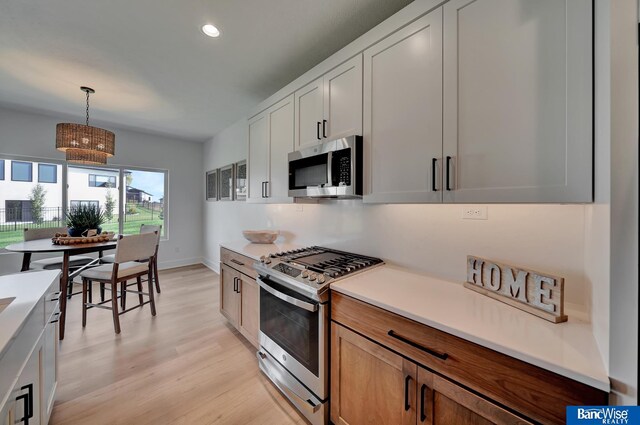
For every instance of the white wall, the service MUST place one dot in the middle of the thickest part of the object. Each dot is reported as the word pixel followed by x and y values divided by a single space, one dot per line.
pixel 430 238
pixel 33 135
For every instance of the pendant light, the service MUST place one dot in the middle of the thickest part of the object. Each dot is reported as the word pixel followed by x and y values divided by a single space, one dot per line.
pixel 84 144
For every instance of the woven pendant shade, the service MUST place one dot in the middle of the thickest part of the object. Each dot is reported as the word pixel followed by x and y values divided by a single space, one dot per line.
pixel 82 156
pixel 86 137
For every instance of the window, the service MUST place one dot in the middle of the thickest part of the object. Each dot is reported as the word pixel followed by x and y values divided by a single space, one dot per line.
pixel 144 200
pixel 47 173
pixel 21 171
pixel 76 204
pixel 96 180
pixel 18 211
pixel 1 169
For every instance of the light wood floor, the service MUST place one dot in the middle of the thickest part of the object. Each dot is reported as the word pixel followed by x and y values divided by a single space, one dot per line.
pixel 184 366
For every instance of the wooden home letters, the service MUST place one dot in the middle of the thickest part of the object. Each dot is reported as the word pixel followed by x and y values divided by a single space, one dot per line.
pixel 533 292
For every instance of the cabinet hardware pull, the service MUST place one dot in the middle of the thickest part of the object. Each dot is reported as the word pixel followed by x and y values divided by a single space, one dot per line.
pixel 448 166
pixel 240 263
pixel 235 281
pixel 434 163
pixel 28 403
pixel 318 130
pixel 324 128
pixel 441 356
pixel 239 282
pixel 54 299
pixel 422 415
pixel 263 189
pixel 266 189
pixel 407 379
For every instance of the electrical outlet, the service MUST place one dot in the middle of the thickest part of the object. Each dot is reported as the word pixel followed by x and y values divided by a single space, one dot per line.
pixel 475 212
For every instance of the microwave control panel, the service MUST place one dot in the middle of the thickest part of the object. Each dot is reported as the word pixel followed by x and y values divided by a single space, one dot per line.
pixel 341 167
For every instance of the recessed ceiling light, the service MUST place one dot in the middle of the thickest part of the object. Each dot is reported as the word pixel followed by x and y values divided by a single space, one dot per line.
pixel 210 30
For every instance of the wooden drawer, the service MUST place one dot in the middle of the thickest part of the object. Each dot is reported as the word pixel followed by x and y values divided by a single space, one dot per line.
pixel 239 262
pixel 530 390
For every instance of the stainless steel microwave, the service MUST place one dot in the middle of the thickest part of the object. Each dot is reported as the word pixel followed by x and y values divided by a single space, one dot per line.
pixel 328 170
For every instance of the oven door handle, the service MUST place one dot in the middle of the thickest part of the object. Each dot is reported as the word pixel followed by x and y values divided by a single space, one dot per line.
pixel 284 297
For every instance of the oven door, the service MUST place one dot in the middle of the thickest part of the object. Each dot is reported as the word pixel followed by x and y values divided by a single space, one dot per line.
pixel 294 330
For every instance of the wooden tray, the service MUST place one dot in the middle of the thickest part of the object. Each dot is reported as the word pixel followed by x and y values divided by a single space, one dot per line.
pixel 64 239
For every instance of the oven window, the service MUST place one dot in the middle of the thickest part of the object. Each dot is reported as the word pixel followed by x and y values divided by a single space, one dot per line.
pixel 294 329
pixel 310 171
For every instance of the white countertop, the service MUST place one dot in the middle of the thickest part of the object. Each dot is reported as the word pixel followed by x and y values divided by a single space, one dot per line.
pixel 568 349
pixel 256 250
pixel 27 288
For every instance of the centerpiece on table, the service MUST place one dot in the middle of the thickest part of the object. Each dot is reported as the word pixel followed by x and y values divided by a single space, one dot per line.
pixel 82 219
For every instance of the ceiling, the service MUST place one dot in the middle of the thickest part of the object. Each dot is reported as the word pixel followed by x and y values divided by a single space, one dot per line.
pixel 151 66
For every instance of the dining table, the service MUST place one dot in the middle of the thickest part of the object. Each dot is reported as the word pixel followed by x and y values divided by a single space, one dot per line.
pixel 42 246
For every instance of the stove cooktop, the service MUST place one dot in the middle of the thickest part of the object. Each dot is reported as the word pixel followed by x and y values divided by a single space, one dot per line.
pixel 312 269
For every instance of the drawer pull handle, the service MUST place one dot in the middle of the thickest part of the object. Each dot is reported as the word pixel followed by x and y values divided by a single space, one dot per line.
pixel 441 356
pixel 407 379
pixel 423 416
pixel 240 263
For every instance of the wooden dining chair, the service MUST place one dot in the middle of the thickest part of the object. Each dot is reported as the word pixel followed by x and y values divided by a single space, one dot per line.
pixel 144 228
pixel 126 266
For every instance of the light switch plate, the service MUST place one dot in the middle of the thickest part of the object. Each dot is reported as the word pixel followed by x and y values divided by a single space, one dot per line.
pixel 475 212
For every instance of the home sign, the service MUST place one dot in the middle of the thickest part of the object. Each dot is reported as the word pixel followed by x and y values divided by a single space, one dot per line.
pixel 533 292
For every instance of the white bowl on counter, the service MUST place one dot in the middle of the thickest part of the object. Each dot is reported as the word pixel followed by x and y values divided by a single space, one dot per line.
pixel 261 236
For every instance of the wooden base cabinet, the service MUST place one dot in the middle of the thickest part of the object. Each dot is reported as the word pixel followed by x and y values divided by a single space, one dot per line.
pixel 240 294
pixel 386 368
pixel 374 385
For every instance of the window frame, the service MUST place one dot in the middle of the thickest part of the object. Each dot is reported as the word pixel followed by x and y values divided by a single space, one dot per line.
pixel 83 201
pixel 55 172
pixel 2 161
pixel 121 189
pixel 115 180
pixel 29 163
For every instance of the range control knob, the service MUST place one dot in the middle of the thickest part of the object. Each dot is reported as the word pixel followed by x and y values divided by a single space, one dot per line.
pixel 267 260
pixel 305 274
pixel 312 277
pixel 321 278
pixel 263 259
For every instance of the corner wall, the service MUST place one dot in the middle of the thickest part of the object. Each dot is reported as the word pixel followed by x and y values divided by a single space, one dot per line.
pixel 33 135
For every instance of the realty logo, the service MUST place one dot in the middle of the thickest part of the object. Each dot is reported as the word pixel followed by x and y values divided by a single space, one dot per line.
pixel 605 415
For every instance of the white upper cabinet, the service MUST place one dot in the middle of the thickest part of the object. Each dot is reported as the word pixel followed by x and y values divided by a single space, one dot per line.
pixel 403 114
pixel 331 106
pixel 270 141
pixel 309 110
pixel 258 157
pixel 343 100
pixel 518 100
pixel 281 144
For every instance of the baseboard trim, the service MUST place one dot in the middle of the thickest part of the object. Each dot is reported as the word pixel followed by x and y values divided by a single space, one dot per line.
pixel 163 265
pixel 212 265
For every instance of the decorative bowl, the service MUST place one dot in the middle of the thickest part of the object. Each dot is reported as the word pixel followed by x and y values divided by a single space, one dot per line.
pixel 261 236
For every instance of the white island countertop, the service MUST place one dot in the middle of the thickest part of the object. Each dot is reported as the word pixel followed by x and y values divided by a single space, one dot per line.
pixel 256 250
pixel 26 289
pixel 568 349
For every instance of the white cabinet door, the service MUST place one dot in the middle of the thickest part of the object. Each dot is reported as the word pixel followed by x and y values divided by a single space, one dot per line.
pixel 281 144
pixel 49 369
pixel 258 157
pixel 26 394
pixel 518 101
pixel 308 114
pixel 403 114
pixel 343 100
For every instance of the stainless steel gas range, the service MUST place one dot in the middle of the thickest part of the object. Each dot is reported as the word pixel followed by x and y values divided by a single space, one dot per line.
pixel 294 321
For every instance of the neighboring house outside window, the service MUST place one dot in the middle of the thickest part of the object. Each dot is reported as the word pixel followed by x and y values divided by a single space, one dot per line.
pixel 138 195
pixel 97 180
pixel 47 173
pixel 21 171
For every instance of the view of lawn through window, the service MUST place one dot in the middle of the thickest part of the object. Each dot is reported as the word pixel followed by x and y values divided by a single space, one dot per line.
pixel 36 200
